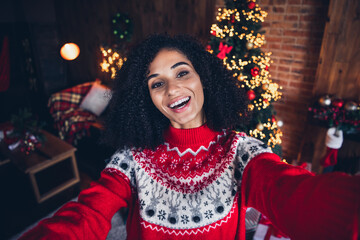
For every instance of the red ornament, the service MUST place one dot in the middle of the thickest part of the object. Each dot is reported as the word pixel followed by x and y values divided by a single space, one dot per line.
pixel 338 103
pixel 254 71
pixel 273 119
pixel 224 49
pixel 208 47
pixel 232 18
pixel 251 95
pixel 267 68
pixel 213 32
pixel 251 5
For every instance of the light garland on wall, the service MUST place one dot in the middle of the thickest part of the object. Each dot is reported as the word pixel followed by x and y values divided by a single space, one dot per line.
pixel 111 61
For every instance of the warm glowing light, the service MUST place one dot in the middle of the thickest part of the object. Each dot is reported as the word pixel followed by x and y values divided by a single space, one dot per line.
pixel 111 61
pixel 242 65
pixel 69 51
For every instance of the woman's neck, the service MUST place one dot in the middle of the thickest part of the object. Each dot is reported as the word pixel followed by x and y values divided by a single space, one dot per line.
pixel 190 137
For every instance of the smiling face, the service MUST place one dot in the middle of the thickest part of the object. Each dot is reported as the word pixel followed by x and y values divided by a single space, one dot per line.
pixel 176 90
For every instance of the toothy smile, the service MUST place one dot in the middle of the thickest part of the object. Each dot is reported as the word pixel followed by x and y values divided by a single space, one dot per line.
pixel 180 103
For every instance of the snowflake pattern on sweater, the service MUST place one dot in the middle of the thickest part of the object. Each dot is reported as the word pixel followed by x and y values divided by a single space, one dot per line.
pixel 188 190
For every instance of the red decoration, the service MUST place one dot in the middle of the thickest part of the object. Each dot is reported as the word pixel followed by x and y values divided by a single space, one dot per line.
pixel 213 32
pixel 251 5
pixel 208 47
pixel 330 158
pixel 232 18
pixel 272 231
pixel 254 71
pixel 338 103
pixel 251 95
pixel 267 68
pixel 224 49
pixel 273 119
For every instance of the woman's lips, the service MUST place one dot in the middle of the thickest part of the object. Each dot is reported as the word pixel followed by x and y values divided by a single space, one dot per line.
pixel 182 108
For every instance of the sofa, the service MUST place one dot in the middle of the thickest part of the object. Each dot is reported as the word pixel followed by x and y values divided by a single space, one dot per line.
pixel 75 109
pixel 77 115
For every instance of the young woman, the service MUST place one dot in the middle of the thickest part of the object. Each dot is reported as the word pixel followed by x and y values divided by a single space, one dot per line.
pixel 181 169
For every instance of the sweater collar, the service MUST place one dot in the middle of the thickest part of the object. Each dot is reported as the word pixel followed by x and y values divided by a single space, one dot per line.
pixel 190 137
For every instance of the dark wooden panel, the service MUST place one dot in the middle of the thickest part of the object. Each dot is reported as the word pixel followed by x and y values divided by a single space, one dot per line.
pixel 339 68
pixel 338 73
pixel 88 23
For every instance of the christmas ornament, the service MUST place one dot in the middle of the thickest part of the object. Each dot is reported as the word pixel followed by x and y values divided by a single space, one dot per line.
pixel 345 117
pixel 213 32
pixel 251 95
pixel 280 123
pixel 260 126
pixel 208 47
pixel 224 49
pixel 265 86
pixel 250 107
pixel 240 77
pixel 273 119
pixel 338 103
pixel 350 106
pixel 254 71
pixel 325 101
pixel 267 68
pixel 251 5
pixel 249 45
pixel 232 18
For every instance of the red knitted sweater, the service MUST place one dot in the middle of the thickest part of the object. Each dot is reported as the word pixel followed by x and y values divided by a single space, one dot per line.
pixel 198 185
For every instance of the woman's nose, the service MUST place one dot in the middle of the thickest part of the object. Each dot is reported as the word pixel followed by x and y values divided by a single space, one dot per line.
pixel 172 88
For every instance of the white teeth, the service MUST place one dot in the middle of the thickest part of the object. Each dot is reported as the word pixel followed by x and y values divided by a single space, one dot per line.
pixel 179 102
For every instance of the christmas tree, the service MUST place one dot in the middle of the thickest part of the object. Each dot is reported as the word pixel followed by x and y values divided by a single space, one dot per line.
pixel 237 40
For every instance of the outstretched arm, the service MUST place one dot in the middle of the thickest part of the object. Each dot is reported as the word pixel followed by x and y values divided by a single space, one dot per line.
pixel 90 217
pixel 300 204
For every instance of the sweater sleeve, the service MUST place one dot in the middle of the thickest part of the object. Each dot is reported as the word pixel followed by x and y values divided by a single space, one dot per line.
pixel 300 204
pixel 89 217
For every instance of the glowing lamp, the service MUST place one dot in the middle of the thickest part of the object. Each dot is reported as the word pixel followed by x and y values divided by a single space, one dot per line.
pixel 69 51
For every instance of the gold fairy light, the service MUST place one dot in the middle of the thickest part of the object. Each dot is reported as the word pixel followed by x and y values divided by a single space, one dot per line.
pixel 111 61
pixel 255 16
pixel 258 40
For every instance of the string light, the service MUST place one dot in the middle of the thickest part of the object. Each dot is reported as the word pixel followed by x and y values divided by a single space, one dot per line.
pixel 111 61
pixel 228 27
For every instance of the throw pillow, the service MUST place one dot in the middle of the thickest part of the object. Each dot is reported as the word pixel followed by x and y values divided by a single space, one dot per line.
pixel 96 99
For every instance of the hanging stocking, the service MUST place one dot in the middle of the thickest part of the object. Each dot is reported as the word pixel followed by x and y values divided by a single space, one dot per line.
pixel 334 140
pixel 4 66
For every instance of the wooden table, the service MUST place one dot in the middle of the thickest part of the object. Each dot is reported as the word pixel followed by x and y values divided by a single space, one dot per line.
pixel 53 152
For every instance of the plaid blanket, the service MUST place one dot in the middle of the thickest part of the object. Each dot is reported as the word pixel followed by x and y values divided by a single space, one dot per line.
pixel 72 122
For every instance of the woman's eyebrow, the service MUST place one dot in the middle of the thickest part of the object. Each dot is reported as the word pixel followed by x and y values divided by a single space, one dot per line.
pixel 172 67
pixel 151 76
pixel 178 64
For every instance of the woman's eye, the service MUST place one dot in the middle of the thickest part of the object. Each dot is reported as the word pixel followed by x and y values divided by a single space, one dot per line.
pixel 156 85
pixel 182 73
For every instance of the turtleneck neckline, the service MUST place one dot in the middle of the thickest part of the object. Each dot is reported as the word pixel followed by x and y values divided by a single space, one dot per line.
pixel 190 137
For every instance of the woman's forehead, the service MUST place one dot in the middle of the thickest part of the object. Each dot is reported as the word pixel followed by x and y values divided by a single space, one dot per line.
pixel 168 56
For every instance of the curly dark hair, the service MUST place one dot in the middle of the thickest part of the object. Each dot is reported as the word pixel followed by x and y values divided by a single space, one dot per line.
pixel 132 120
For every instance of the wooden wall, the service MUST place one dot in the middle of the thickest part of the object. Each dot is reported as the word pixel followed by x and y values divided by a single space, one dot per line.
pixel 339 65
pixel 338 73
pixel 88 23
